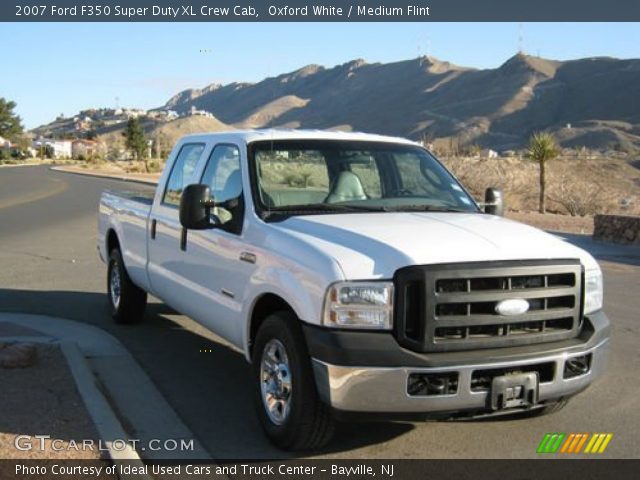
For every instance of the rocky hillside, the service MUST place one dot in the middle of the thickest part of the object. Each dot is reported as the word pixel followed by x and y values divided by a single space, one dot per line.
pixel 592 102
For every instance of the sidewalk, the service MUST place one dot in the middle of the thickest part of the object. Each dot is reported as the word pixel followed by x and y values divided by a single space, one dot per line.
pixel 122 401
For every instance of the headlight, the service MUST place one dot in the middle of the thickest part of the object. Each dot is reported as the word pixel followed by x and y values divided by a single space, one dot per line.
pixel 593 291
pixel 359 305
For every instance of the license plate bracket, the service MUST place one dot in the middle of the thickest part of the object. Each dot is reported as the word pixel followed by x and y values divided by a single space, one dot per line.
pixel 514 390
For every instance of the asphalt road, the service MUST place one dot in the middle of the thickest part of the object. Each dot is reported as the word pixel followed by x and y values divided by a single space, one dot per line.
pixel 49 265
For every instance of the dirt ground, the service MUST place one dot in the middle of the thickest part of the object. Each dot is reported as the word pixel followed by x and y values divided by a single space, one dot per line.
pixel 42 400
pixel 108 170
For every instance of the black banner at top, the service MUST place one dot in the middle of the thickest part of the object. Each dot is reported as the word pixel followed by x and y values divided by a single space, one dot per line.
pixel 319 11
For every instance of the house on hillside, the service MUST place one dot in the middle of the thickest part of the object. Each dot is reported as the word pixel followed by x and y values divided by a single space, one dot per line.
pixel 163 115
pixel 83 125
pixel 201 113
pixel 488 153
pixel 4 143
pixel 134 112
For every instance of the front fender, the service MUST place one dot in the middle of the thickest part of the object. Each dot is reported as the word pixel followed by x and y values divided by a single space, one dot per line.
pixel 303 293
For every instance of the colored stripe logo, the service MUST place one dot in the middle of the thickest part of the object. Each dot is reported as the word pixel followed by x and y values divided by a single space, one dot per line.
pixel 574 443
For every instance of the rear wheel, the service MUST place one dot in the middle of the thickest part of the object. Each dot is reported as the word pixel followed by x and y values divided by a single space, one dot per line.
pixel 290 411
pixel 126 300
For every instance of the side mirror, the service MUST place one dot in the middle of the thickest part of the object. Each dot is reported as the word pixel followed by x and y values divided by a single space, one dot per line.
pixel 493 203
pixel 195 207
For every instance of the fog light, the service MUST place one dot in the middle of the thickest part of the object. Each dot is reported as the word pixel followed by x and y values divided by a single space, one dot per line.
pixel 428 384
pixel 576 366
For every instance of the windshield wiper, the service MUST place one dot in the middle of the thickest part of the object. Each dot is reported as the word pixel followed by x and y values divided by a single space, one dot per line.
pixel 318 208
pixel 428 208
pixel 281 213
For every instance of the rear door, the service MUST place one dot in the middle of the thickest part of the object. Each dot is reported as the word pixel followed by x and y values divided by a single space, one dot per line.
pixel 167 274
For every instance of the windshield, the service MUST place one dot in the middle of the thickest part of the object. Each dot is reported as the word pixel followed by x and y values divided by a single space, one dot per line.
pixel 317 176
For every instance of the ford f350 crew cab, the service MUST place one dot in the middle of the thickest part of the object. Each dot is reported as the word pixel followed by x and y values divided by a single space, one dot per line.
pixel 357 275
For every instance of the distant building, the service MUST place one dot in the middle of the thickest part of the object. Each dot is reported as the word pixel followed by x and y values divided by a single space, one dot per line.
pixel 134 112
pixel 488 153
pixel 84 148
pixel 82 125
pixel 201 113
pixel 58 148
pixel 4 143
pixel 164 115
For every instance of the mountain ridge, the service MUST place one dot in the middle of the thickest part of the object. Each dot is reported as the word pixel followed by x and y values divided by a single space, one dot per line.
pixel 430 98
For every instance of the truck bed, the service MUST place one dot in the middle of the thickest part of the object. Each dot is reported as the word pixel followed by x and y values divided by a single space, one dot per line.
pixel 144 195
pixel 126 212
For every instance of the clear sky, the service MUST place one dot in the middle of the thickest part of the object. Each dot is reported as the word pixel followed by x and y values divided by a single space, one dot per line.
pixel 50 69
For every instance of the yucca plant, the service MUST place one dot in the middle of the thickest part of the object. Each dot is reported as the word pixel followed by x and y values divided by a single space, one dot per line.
pixel 542 148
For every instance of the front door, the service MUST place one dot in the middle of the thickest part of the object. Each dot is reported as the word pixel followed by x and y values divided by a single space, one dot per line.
pixel 218 274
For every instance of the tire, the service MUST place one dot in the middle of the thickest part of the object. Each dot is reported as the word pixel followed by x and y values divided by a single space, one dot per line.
pixel 548 409
pixel 554 407
pixel 283 377
pixel 127 301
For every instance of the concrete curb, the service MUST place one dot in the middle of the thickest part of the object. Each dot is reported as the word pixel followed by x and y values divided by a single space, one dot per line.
pixel 23 165
pixel 103 416
pixel 123 178
pixel 97 359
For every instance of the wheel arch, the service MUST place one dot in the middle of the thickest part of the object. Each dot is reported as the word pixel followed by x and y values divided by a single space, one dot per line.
pixel 266 304
pixel 112 240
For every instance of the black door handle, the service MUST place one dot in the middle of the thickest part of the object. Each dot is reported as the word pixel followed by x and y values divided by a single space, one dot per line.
pixel 154 222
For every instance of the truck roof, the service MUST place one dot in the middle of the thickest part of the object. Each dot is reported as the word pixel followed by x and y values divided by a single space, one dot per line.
pixel 247 136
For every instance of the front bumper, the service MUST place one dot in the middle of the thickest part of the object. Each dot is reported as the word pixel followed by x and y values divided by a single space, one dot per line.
pixel 378 388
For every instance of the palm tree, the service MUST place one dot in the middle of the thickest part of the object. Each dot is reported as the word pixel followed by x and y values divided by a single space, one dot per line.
pixel 542 148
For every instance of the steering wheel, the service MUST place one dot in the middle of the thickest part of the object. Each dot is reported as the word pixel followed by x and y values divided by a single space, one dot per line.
pixel 402 192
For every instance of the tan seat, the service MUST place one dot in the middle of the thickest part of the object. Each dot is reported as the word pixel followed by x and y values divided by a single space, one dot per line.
pixel 347 187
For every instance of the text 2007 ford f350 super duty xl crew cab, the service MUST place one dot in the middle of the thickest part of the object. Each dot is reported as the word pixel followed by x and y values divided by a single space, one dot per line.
pixel 357 275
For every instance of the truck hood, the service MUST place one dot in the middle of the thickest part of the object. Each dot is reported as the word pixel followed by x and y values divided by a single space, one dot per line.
pixel 375 245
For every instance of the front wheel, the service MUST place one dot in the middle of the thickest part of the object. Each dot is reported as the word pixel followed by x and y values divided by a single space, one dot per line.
pixel 127 301
pixel 291 414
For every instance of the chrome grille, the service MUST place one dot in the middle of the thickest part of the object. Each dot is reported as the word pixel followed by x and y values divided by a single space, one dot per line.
pixel 453 306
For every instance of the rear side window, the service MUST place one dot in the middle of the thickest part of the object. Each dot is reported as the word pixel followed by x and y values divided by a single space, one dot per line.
pixel 182 172
pixel 222 173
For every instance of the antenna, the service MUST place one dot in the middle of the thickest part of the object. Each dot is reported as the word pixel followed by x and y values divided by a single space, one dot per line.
pixel 520 39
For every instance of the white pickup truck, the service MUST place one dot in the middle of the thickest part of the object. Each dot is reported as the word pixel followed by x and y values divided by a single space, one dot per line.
pixel 357 275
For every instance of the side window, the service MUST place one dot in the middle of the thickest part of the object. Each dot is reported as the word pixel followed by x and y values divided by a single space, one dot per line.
pixel 419 178
pixel 222 173
pixel 181 172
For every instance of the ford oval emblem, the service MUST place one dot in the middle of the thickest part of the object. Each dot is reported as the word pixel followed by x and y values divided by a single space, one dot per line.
pixel 512 306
